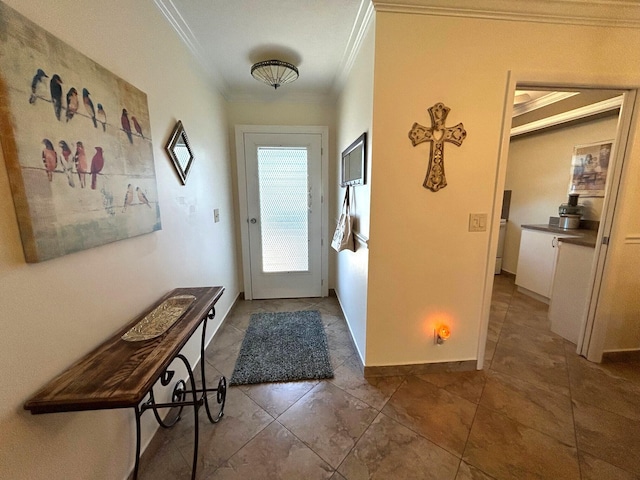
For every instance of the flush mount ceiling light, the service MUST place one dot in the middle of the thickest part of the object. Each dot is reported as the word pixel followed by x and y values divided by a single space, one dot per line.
pixel 274 72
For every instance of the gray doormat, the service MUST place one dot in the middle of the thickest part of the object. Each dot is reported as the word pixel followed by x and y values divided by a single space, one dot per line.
pixel 283 347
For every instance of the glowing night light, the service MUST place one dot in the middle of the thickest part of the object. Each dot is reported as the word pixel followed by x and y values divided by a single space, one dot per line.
pixel 443 334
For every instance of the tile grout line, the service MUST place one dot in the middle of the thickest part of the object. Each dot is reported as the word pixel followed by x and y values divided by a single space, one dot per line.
pixel 252 437
pixel 379 412
pixel 446 449
pixel 573 413
pixel 356 441
pixel 473 421
pixel 306 445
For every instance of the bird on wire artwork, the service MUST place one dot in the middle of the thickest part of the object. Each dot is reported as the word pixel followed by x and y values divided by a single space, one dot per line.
pixel 38 79
pixel 72 99
pixel 142 197
pixel 67 165
pixel 97 164
pixel 88 105
pixel 96 113
pixel 80 161
pixel 68 162
pixel 55 87
pixel 49 158
pixel 137 126
pixel 128 198
pixel 69 154
pixel 72 103
pixel 102 117
pixel 126 124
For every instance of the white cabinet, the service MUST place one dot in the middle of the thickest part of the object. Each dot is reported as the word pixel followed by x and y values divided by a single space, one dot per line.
pixel 570 290
pixel 537 261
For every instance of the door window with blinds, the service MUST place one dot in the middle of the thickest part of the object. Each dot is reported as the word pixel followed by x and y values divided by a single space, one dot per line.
pixel 284 209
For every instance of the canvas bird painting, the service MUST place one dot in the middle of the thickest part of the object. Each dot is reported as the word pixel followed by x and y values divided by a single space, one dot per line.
pixel 75 141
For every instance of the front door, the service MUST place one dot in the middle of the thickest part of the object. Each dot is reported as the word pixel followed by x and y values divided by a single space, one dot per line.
pixel 283 189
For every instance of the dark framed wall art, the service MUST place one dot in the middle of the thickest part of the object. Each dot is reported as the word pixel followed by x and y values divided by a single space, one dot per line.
pixel 354 160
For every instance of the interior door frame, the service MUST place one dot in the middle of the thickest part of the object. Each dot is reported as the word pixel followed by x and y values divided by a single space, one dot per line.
pixel 240 131
pixel 591 341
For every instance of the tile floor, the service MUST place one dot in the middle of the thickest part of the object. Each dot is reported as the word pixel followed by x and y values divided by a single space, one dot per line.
pixel 537 411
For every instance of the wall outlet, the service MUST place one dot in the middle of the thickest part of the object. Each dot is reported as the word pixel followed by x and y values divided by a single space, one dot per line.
pixel 477 222
pixel 216 215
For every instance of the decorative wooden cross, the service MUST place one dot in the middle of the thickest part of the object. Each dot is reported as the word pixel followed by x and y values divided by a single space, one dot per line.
pixel 437 135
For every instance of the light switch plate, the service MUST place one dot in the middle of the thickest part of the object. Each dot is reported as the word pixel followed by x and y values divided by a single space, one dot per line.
pixel 477 222
pixel 216 215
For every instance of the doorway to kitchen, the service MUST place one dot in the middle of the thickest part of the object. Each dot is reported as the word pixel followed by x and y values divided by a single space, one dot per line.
pixel 282 212
pixel 565 108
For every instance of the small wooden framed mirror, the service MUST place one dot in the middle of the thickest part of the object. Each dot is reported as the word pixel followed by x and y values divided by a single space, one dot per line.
pixel 180 152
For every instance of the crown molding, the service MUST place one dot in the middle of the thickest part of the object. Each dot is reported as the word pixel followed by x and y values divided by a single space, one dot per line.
pixel 571 115
pixel 601 13
pixel 175 19
pixel 541 102
pixel 363 21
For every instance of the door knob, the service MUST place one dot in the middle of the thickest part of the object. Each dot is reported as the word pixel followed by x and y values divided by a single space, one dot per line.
pixel 253 220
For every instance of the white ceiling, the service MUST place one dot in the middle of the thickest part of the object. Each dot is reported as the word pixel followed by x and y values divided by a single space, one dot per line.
pixel 321 36
pixel 228 36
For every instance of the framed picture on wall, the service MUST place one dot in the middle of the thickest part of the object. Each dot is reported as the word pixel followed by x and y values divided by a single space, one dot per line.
pixel 589 168
pixel 354 159
pixel 76 140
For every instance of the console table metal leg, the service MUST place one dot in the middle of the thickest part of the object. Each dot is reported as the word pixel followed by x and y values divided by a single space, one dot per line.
pixel 221 388
pixel 137 465
pixel 196 408
pixel 179 399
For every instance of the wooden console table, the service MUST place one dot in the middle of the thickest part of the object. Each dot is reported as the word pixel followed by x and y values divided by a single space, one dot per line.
pixel 121 374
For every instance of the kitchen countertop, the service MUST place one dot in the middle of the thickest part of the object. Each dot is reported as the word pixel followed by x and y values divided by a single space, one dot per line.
pixel 580 236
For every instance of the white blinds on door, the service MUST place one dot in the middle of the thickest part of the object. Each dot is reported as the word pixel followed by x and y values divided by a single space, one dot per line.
pixel 284 209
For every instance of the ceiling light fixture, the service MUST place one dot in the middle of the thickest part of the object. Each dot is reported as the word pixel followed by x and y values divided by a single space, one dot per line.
pixel 274 72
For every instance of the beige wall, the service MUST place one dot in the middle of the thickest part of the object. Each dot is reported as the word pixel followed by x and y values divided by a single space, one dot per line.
pixel 56 311
pixel 354 116
pixel 538 173
pixel 423 263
